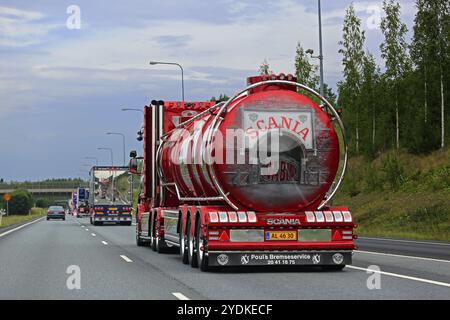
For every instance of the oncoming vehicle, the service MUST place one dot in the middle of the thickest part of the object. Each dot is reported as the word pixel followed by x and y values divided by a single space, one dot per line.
pixel 56 212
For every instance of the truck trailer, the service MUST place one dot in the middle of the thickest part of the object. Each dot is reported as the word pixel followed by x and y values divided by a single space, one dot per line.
pixel 110 196
pixel 247 181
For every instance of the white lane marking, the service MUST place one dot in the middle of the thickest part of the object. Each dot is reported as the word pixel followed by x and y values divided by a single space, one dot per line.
pixel 180 296
pixel 443 284
pixel 410 241
pixel 105 243
pixel 401 256
pixel 93 234
pixel 87 229
pixel 20 227
pixel 82 226
pixel 126 258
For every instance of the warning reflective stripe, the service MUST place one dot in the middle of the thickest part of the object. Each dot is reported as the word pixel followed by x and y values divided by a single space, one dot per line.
pixel 223 217
pixel 310 216
pixel 319 216
pixel 232 216
pixel 251 216
pixel 213 217
pixel 242 216
pixel 347 216
pixel 328 216
pixel 337 216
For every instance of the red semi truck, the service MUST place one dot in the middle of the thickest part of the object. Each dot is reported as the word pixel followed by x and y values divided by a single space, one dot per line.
pixel 245 182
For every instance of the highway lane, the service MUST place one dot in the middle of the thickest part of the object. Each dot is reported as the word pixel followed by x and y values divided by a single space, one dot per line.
pixel 34 260
pixel 428 249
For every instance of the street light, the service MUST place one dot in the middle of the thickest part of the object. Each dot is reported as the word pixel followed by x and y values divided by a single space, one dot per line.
pixel 320 56
pixel 173 64
pixel 123 142
pixel 93 158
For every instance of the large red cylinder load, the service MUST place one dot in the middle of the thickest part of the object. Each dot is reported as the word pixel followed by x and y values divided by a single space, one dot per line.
pixel 271 149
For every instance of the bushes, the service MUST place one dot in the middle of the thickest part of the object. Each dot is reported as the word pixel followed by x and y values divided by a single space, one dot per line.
pixel 43 203
pixel 20 203
pixel 398 171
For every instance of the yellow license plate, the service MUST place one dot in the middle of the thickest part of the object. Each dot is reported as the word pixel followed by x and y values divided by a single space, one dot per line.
pixel 281 235
pixel 112 209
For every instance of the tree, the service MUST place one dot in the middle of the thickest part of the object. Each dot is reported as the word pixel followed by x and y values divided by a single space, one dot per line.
pixel 394 52
pixel 368 98
pixel 21 202
pixel 352 50
pixel 264 68
pixel 305 71
pixel 430 54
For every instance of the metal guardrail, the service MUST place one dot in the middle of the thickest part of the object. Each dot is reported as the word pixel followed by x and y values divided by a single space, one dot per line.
pixel 7 186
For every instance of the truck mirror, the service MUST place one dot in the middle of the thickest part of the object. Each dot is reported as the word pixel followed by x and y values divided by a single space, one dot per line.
pixel 133 154
pixel 133 166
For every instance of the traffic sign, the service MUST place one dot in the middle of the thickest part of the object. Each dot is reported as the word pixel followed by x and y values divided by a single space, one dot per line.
pixel 7 197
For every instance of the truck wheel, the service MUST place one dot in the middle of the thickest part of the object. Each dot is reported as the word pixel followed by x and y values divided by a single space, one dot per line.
pixel 202 258
pixel 161 246
pixel 183 248
pixel 153 240
pixel 90 220
pixel 139 241
pixel 192 256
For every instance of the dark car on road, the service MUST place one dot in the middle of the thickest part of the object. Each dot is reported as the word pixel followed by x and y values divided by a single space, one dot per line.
pixel 56 212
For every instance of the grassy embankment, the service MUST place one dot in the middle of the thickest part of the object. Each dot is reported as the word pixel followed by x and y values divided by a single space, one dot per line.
pixel 400 195
pixel 14 219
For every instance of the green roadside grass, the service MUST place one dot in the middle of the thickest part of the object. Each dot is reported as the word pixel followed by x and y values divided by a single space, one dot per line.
pixel 15 219
pixel 420 216
pixel 399 195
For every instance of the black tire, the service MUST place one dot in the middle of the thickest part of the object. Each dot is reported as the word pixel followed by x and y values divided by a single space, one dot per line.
pixel 139 241
pixel 48 219
pixel 152 237
pixel 161 246
pixel 183 247
pixel 192 256
pixel 201 244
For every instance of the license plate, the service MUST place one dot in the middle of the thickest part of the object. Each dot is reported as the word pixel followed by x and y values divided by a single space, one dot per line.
pixel 281 235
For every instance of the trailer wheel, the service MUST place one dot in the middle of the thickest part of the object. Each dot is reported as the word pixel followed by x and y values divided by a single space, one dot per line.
pixel 161 245
pixel 202 258
pixel 183 247
pixel 152 238
pixel 192 256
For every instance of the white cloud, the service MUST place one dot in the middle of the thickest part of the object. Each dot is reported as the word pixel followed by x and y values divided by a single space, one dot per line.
pixel 19 28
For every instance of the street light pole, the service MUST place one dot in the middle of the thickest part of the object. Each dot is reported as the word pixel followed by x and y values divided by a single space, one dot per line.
pixel 123 142
pixel 320 56
pixel 320 49
pixel 182 73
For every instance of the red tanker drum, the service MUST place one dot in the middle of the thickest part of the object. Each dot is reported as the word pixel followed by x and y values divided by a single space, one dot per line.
pixel 296 148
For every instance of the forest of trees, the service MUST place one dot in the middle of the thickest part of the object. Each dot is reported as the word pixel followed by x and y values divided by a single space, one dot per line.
pixel 401 103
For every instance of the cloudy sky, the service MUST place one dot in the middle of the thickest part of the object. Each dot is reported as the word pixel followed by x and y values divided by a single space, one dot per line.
pixel 61 89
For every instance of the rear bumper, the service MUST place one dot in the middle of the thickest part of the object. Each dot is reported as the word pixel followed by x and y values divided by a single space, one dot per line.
pixel 276 258
pixel 112 219
pixel 56 216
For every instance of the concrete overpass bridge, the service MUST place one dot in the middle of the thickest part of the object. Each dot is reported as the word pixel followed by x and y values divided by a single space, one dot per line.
pixel 43 191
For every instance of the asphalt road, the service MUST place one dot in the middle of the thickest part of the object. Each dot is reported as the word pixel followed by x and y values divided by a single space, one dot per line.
pixel 34 261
